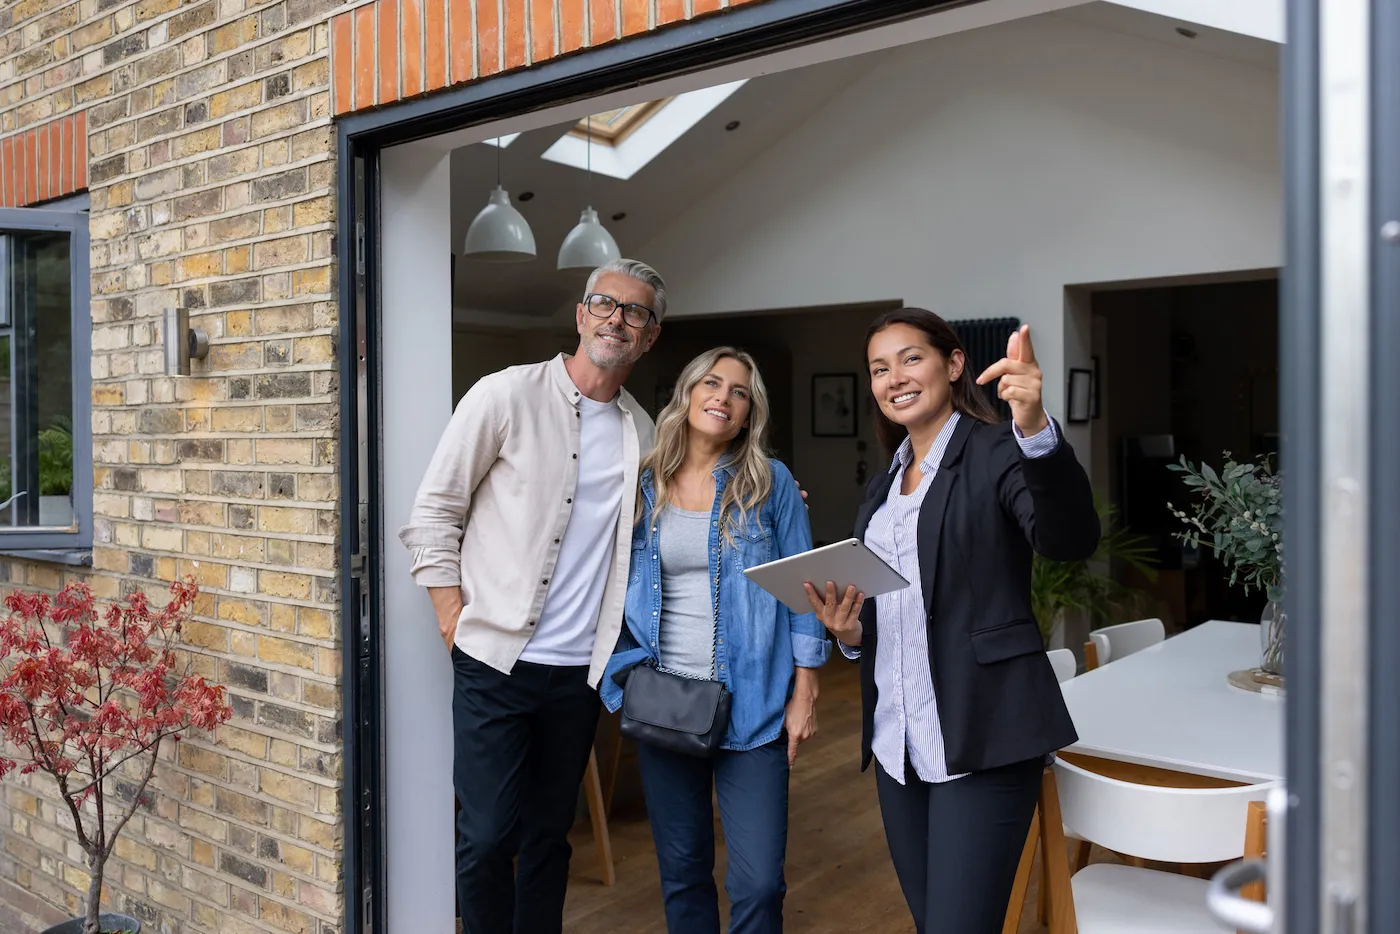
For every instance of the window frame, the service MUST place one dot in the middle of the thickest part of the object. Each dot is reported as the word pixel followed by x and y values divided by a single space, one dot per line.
pixel 71 216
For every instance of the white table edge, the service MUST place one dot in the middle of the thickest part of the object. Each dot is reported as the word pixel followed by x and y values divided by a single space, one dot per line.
pixel 1203 769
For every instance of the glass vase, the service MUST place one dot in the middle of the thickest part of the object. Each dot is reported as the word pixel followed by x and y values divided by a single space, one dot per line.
pixel 1272 626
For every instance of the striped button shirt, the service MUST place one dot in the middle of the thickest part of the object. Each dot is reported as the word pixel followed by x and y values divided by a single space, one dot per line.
pixel 906 709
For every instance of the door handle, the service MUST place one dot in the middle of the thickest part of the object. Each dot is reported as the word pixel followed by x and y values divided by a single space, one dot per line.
pixel 1225 904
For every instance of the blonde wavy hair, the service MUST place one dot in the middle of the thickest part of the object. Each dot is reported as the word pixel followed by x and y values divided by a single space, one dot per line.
pixel 747 491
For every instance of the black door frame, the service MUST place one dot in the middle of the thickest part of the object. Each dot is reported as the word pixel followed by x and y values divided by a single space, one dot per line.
pixel 1300 410
pixel 763 28
pixel 1383 856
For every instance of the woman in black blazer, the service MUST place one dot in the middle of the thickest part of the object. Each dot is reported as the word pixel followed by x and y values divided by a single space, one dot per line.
pixel 961 706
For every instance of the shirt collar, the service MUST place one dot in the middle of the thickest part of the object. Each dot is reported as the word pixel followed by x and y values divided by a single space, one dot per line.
pixel 905 455
pixel 565 383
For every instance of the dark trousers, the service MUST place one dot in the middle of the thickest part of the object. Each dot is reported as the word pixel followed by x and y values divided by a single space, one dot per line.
pixel 752 788
pixel 521 746
pixel 955 845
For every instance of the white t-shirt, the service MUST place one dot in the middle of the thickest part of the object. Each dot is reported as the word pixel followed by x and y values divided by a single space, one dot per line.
pixel 569 619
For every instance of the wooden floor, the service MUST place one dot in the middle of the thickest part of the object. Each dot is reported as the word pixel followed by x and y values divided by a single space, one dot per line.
pixel 836 846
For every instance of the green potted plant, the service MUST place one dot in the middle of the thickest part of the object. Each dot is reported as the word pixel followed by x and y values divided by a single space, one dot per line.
pixel 56 474
pixel 1239 517
pixel 1087 586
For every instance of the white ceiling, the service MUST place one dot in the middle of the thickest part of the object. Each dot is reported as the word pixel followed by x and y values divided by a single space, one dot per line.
pixel 767 108
pixel 1229 45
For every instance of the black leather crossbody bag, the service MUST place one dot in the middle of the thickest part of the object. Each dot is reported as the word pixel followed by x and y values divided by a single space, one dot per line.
pixel 673 711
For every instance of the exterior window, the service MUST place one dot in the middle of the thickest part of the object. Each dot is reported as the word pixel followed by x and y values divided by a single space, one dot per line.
pixel 45 396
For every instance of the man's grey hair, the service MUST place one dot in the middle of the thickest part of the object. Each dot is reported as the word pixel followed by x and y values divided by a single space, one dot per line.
pixel 634 269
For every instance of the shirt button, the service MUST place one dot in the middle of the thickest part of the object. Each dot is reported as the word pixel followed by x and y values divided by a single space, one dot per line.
pixel 721 667
pixel 545 581
pixel 575 457
pixel 530 623
pixel 569 500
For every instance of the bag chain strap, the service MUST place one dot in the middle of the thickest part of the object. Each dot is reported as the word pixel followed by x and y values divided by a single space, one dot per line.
pixel 714 674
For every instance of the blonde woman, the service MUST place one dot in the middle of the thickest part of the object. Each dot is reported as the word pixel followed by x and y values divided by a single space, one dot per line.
pixel 712 503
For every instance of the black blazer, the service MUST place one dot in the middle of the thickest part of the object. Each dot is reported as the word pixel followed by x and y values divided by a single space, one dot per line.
pixel 986 508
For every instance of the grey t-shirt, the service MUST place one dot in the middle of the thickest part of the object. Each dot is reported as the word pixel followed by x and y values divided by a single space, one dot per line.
pixel 687 612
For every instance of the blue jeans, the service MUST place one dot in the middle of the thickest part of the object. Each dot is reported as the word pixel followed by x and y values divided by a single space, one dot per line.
pixel 752 788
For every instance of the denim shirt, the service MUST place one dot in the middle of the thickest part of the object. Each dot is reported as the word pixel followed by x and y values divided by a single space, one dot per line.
pixel 759 642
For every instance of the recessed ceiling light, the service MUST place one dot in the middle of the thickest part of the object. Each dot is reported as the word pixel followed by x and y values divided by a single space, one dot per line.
pixel 526 195
pixel 619 215
pixel 1188 33
pixel 731 126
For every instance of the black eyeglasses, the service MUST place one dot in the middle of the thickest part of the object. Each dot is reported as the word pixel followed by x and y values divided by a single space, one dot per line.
pixel 603 306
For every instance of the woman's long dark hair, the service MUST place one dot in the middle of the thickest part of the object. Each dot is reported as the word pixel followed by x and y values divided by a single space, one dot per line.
pixel 968 398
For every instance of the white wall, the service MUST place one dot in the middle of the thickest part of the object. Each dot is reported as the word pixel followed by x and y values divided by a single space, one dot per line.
pixel 417 398
pixel 979 174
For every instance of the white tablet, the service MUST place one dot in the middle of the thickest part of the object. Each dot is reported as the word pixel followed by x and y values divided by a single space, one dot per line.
pixel 848 563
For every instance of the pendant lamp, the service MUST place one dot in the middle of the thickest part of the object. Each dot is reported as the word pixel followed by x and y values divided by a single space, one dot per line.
pixel 499 234
pixel 588 245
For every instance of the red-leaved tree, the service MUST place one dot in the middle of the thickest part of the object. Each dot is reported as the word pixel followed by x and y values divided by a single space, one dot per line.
pixel 88 694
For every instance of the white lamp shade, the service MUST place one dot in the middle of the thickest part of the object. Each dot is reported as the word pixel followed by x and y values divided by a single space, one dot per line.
pixel 588 245
pixel 499 234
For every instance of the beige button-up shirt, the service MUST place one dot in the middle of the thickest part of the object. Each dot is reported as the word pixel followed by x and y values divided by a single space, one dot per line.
pixel 492 508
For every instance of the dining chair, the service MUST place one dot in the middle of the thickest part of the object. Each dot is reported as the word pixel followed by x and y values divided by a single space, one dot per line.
pixel 1150 822
pixel 1114 642
pixel 1064 663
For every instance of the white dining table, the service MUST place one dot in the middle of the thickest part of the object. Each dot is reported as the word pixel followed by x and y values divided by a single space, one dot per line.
pixel 1171 707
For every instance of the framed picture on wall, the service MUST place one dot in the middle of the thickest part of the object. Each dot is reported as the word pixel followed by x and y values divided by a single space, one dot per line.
pixel 1081 396
pixel 834 405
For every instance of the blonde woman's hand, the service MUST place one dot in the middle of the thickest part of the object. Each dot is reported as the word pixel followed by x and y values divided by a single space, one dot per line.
pixel 840 616
pixel 800 715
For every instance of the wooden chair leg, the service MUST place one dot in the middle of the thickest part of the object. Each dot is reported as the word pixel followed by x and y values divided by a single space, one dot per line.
pixel 1017 902
pixel 1256 820
pixel 1080 860
pixel 1081 855
pixel 1056 857
pixel 598 813
pixel 1042 900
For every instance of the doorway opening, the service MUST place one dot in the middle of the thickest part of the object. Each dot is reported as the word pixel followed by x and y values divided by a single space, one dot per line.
pixel 1189 371
pixel 973 172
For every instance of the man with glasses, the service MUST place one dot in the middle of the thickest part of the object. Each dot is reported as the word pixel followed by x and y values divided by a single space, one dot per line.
pixel 521 532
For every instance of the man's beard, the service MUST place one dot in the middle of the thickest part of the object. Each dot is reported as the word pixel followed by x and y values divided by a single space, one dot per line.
pixel 608 356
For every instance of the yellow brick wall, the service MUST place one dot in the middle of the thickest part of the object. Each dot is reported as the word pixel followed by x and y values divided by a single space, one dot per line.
pixel 211 177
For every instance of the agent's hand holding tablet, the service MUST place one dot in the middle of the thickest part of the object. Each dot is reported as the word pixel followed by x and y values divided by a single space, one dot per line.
pixel 832 580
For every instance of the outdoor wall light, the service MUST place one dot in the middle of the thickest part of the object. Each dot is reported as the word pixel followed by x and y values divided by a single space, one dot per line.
pixel 182 342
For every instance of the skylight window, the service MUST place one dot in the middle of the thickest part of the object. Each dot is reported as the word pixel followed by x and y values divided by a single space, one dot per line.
pixel 626 139
pixel 611 127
